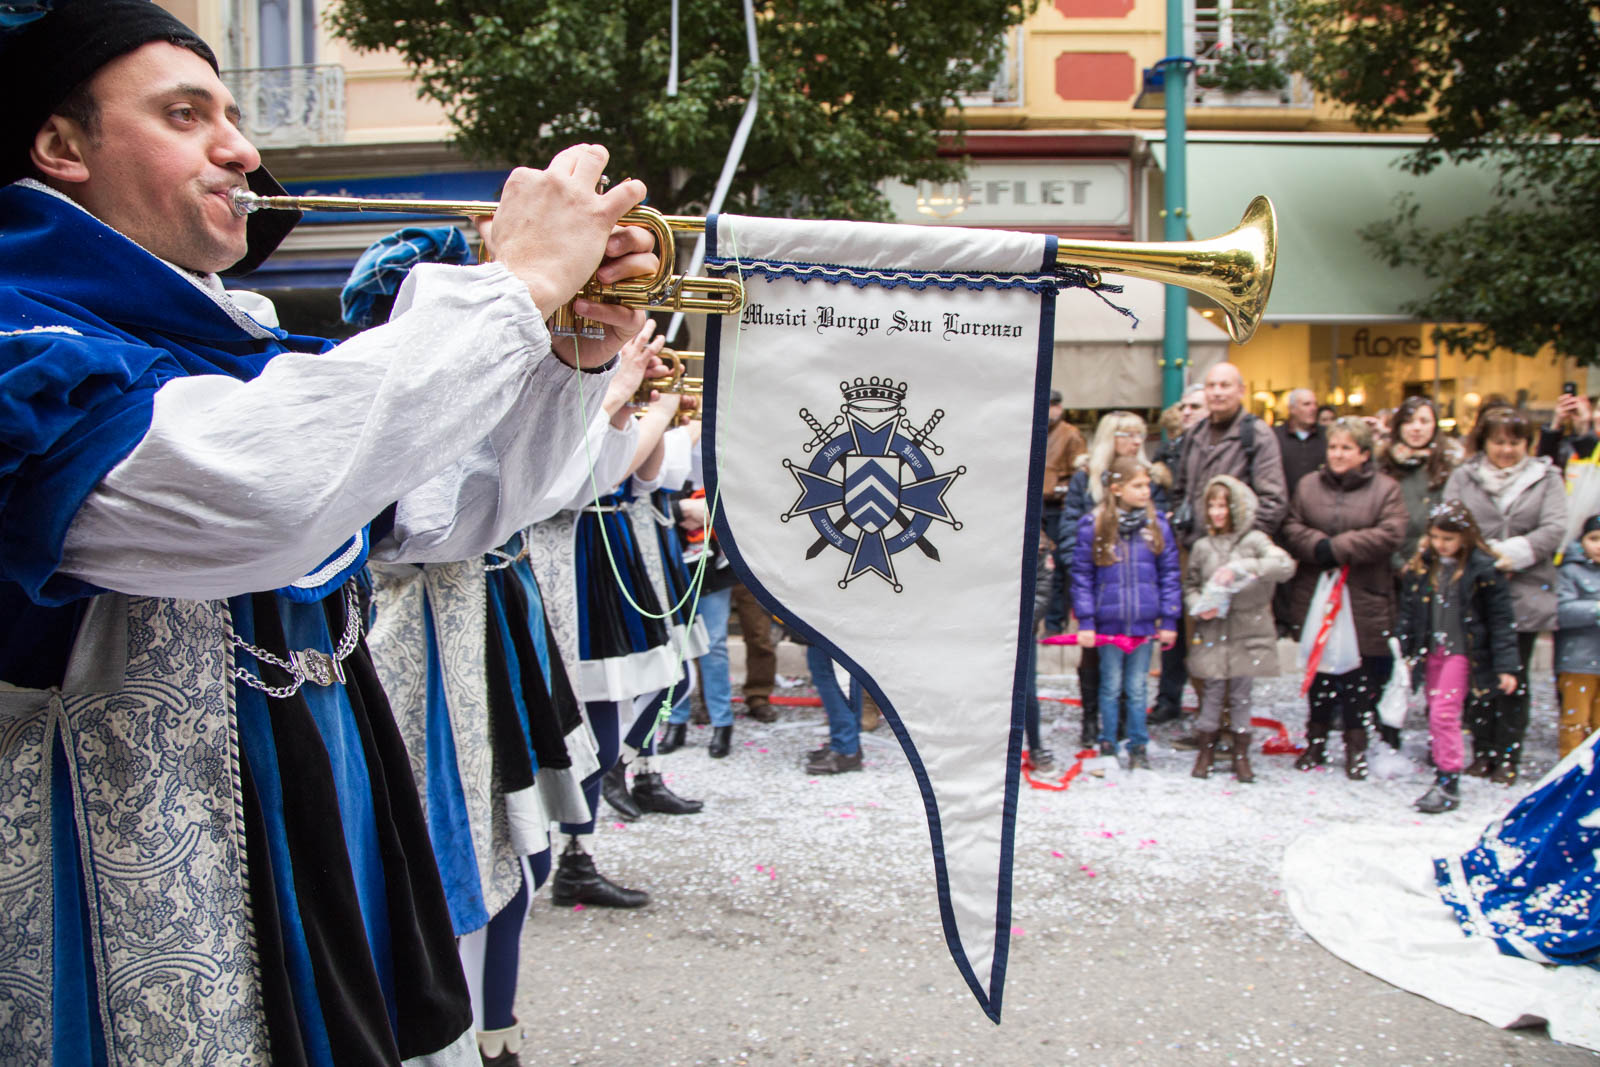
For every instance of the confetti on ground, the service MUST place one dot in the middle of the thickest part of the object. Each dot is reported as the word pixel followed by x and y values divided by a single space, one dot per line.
pixel 843 960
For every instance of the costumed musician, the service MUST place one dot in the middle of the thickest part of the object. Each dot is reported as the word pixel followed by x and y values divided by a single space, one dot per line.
pixel 186 491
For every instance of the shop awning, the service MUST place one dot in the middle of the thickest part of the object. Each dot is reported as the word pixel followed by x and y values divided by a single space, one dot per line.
pixel 1326 190
pixel 1104 360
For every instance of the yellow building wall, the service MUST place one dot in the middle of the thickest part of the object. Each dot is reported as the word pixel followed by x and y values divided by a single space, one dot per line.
pixel 381 101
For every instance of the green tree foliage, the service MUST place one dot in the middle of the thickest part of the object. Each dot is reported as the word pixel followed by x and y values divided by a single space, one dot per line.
pixel 851 91
pixel 1517 85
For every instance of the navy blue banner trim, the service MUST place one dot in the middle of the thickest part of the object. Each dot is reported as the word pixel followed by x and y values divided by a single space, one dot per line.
pixel 1030 535
pixel 773 270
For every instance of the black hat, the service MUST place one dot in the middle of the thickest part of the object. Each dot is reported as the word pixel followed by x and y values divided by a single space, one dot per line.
pixel 1590 525
pixel 1055 396
pixel 50 47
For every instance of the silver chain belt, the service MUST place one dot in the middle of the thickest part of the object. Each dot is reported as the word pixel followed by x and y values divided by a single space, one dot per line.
pixel 306 664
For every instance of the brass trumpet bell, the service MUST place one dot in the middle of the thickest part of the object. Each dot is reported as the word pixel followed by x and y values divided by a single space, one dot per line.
pixel 1233 270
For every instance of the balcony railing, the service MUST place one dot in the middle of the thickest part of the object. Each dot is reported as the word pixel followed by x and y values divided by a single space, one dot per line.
pixel 1006 89
pixel 290 107
pixel 1236 63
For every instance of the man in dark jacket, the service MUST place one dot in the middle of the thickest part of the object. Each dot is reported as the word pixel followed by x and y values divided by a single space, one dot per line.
pixel 1300 439
pixel 1303 446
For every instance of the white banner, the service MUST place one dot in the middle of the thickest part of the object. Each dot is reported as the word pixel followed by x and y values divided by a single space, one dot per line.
pixel 875 420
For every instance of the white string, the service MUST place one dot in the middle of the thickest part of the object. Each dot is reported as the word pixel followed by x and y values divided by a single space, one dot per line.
pixel 672 71
pixel 730 166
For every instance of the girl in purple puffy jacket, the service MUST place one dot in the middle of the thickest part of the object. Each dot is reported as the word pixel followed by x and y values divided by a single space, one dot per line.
pixel 1127 594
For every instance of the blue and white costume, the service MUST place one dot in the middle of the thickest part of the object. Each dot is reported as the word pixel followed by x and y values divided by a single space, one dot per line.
pixel 213 845
pixel 1532 882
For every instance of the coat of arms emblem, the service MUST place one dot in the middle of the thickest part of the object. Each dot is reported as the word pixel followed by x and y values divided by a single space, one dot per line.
pixel 870 489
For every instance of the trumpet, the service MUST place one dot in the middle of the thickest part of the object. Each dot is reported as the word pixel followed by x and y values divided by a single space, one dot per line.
pixel 676 380
pixel 662 291
pixel 1233 270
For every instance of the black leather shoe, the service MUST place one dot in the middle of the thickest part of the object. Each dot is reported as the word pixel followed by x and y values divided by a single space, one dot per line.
pixel 652 794
pixel 672 738
pixel 1162 713
pixel 577 882
pixel 830 762
pixel 721 742
pixel 614 787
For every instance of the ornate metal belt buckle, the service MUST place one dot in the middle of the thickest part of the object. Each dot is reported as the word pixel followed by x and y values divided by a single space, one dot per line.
pixel 319 668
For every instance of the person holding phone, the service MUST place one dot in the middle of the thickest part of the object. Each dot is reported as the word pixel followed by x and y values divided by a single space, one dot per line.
pixel 1572 442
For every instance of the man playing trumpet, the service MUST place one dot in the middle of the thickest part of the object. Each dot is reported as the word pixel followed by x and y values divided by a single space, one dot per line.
pixel 212 845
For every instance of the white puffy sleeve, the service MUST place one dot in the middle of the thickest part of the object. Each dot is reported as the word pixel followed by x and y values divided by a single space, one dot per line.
pixel 677 463
pixel 242 486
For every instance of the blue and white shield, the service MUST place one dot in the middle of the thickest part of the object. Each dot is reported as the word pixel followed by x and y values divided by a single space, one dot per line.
pixel 871 490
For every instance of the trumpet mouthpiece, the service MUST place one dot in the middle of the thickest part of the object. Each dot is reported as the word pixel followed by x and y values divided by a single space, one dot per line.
pixel 243 201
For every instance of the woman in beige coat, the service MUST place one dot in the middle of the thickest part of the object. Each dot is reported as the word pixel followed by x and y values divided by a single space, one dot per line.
pixel 1520 503
pixel 1227 589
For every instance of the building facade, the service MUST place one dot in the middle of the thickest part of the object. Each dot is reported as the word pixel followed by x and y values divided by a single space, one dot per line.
pixel 1057 145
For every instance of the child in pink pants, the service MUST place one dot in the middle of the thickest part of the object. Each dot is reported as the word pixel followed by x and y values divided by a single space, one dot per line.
pixel 1455 615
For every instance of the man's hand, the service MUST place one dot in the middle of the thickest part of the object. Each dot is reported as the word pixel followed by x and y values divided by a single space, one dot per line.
pixel 1168 638
pixel 1573 414
pixel 553 230
pixel 1508 684
pixel 1085 638
pixel 629 254
pixel 1208 614
pixel 692 513
pixel 640 358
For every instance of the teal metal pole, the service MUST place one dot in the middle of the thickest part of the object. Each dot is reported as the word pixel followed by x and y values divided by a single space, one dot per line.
pixel 1175 78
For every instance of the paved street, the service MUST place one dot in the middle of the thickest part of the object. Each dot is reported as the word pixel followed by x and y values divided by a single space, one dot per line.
pixel 794 921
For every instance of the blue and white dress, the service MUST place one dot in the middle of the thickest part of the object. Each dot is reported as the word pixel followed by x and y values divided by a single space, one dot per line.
pixel 1531 881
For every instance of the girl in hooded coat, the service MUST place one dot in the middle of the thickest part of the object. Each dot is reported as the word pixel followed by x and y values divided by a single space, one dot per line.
pixel 1228 588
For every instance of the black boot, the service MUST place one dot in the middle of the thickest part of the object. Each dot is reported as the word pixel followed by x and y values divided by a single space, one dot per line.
pixel 721 742
pixel 652 794
pixel 1089 730
pixel 614 787
pixel 1206 755
pixel 1316 753
pixel 1242 772
pixel 577 882
pixel 672 738
pixel 1444 796
pixel 1355 754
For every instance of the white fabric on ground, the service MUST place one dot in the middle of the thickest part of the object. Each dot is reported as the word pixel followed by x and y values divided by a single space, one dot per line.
pixel 1368 895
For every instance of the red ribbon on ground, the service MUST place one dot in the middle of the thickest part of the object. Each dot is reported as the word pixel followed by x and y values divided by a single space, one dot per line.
pixel 1330 612
pixel 1065 780
pixel 1279 744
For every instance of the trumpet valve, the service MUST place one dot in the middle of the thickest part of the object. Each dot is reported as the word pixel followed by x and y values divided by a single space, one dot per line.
pixel 568 323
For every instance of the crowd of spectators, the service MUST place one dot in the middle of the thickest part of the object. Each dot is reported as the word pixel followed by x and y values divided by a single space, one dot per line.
pixel 1455 552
